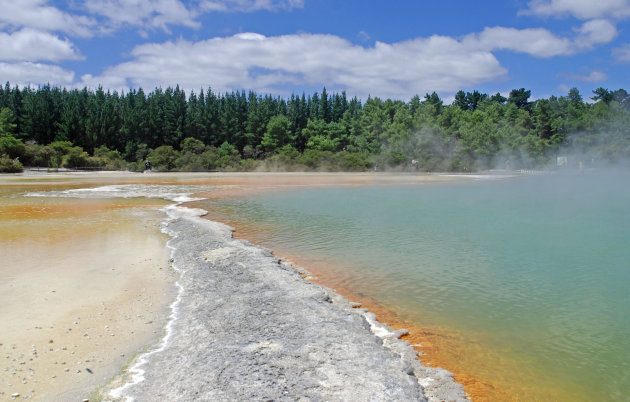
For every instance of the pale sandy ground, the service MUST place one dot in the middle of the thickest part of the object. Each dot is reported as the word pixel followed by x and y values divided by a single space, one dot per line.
pixel 76 308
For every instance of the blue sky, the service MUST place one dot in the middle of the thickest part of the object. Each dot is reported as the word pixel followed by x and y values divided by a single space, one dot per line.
pixel 390 49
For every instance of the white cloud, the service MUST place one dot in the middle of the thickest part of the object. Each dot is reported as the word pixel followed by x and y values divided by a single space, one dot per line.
pixel 622 53
pixel 105 16
pixel 37 14
pixel 537 42
pixel 31 45
pixel 151 14
pixel 595 32
pixel 27 73
pixel 581 9
pixel 254 61
pixel 143 13
pixel 593 76
pixel 249 5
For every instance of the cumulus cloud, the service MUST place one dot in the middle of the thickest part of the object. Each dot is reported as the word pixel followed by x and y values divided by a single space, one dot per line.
pixel 106 16
pixel 262 63
pixel 539 42
pixel 581 9
pixel 143 13
pixel 595 32
pixel 249 5
pixel 151 14
pixel 38 15
pixel 31 45
pixel 27 73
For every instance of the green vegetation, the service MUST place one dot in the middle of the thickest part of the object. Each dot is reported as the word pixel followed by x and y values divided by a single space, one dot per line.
pixel 85 129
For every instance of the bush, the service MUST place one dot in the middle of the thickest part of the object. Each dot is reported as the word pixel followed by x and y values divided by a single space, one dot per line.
pixel 396 158
pixel 163 158
pixel 190 162
pixel 8 165
pixel 38 155
pixel 249 165
pixel 12 147
pixel 76 157
pixel 60 148
pixel 288 158
pixel 193 146
pixel 105 158
pixel 320 160
pixel 288 155
pixel 229 158
pixel 209 158
pixel 348 161
pixel 250 152
pixel 134 166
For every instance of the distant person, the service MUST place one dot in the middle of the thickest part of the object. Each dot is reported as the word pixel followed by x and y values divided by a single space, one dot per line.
pixel 147 165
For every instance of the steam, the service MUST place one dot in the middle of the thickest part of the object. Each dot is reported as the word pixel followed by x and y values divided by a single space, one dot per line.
pixel 431 149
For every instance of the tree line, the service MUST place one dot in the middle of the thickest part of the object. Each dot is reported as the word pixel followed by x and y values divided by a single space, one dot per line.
pixel 57 127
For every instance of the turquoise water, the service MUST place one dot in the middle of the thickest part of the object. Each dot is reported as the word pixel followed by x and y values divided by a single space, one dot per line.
pixel 535 269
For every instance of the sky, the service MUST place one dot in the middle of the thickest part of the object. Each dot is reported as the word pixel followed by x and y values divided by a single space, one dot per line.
pixel 388 49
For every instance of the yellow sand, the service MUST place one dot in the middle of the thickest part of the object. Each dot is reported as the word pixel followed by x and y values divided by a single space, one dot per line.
pixel 85 286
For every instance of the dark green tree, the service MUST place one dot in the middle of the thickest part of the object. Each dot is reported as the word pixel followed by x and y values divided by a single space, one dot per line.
pixel 278 133
pixel 519 98
pixel 604 95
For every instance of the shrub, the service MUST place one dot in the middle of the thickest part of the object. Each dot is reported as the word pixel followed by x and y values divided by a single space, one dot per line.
pixel 208 159
pixel 108 159
pixel 320 160
pixel 396 158
pixel 190 162
pixel 164 157
pixel 228 156
pixel 60 148
pixel 8 165
pixel 348 161
pixel 287 154
pixel 41 155
pixel 193 146
pixel 11 146
pixel 250 152
pixel 134 166
pixel 76 157
pixel 249 165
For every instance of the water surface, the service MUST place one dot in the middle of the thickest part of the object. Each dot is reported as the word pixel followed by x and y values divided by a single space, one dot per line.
pixel 528 276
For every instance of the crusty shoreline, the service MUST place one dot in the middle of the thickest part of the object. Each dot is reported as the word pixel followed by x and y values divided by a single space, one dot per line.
pixel 250 327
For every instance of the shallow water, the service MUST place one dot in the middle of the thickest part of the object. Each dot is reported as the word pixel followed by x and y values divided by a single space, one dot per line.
pixel 67 258
pixel 524 278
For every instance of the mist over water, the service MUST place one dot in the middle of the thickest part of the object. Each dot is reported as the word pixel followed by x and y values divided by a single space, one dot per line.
pixel 535 268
